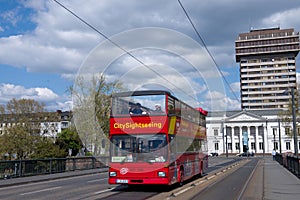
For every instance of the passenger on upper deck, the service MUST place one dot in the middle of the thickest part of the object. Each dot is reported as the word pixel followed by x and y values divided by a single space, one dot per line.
pixel 136 109
pixel 158 108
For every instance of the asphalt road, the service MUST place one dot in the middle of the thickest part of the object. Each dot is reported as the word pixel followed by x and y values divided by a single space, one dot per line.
pixel 78 187
pixel 230 187
pixel 92 186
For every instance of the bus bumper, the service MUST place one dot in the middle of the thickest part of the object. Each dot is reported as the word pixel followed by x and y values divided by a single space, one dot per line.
pixel 139 181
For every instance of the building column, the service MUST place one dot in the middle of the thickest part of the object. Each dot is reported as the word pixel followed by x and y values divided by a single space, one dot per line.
pixel 265 139
pixel 256 140
pixel 232 140
pixel 241 139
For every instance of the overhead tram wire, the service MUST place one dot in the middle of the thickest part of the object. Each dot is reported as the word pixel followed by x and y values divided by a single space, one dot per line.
pixel 120 47
pixel 199 36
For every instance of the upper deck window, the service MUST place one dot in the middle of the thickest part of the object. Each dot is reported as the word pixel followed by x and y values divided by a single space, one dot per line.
pixel 139 105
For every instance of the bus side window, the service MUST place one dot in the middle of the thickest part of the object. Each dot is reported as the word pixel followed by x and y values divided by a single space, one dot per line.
pixel 171 106
pixel 177 108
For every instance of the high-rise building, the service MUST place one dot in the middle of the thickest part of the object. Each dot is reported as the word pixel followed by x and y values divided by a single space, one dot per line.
pixel 267 67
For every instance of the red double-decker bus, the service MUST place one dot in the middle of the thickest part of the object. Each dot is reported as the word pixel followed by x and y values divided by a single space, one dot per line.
pixel 155 139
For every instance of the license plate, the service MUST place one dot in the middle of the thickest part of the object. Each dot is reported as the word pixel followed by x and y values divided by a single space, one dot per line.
pixel 121 181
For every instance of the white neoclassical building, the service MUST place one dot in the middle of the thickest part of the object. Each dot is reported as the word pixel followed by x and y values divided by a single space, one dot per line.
pixel 259 130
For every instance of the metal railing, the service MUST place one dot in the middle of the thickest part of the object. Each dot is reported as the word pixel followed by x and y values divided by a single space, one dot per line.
pixel 21 168
pixel 291 162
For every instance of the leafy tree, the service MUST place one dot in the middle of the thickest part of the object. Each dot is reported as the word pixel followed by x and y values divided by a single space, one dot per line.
pixel 45 148
pixel 22 138
pixel 17 142
pixel 69 139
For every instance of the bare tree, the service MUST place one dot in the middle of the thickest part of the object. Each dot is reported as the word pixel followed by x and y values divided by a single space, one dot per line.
pixel 91 101
pixel 286 116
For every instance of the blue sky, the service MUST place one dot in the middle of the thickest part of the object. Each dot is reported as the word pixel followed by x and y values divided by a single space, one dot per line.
pixel 43 47
pixel 15 18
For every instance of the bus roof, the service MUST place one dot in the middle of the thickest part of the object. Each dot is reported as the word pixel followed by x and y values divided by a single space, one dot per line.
pixel 142 92
pixel 151 92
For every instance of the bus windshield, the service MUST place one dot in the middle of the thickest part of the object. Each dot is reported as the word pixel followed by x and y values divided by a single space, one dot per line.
pixel 139 148
pixel 139 105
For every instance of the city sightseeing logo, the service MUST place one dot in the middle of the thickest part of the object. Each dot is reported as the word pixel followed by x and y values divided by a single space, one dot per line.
pixel 130 125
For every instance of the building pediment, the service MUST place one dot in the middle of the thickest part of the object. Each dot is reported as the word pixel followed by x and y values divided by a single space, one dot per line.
pixel 244 116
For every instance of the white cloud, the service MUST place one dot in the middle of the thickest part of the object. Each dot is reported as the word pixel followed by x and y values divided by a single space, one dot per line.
pixel 42 95
pixel 220 102
pixel 284 19
pixel 235 86
pixel 60 42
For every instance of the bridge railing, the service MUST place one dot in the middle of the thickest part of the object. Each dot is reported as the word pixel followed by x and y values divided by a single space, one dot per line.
pixel 21 168
pixel 291 162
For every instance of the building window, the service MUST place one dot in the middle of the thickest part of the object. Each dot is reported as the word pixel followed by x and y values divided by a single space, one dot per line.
pixel 216 146
pixel 287 130
pixel 253 146
pixel 288 145
pixel 237 145
pixel 261 146
pixel 276 145
pixel 216 132
pixel 261 130
pixel 229 146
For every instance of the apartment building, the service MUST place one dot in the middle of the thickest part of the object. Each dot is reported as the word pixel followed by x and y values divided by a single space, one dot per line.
pixel 267 60
pixel 48 124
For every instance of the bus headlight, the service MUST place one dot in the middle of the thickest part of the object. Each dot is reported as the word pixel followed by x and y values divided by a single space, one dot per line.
pixel 112 173
pixel 162 174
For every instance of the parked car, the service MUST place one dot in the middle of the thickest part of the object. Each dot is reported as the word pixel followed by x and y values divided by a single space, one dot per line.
pixel 246 154
pixel 213 154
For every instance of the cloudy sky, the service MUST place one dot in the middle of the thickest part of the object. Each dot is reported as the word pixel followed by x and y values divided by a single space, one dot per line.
pixel 43 47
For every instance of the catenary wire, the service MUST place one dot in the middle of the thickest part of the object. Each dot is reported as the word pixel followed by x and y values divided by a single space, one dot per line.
pixel 120 47
pixel 199 36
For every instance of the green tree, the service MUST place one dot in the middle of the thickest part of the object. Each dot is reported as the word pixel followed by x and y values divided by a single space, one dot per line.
pixel 69 139
pixel 45 148
pixel 22 137
pixel 17 143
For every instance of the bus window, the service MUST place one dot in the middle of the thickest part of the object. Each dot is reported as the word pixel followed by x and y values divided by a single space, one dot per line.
pixel 139 105
pixel 177 108
pixel 171 106
pixel 139 148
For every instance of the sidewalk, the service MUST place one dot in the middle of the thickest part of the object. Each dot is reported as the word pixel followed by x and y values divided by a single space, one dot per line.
pixel 32 179
pixel 279 183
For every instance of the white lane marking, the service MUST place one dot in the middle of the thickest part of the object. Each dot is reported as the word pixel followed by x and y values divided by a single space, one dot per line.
pixel 96 180
pixel 44 190
pixel 102 191
pixel 213 176
pixel 200 182
pixel 181 191
pixel 26 184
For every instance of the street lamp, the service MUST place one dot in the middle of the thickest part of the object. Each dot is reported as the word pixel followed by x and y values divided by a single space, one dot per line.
pixel 294 123
pixel 279 133
pixel 274 139
pixel 226 144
